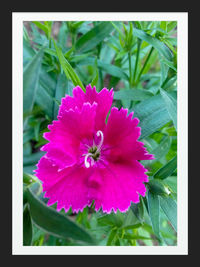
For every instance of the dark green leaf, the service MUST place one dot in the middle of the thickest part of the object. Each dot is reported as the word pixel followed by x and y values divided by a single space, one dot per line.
pixel 93 37
pixel 33 158
pixel 171 183
pixel 169 64
pixel 69 71
pixel 170 83
pixel 159 151
pixel 28 52
pixel 152 114
pixel 53 222
pixel 135 237
pixel 30 81
pixel 154 212
pixel 169 207
pixel 161 47
pixel 108 68
pixel 42 27
pixel 157 187
pixel 167 169
pixel 111 219
pixel 132 94
pixel 134 226
pixel 95 79
pixel 171 105
pixel 28 179
pixel 27 227
pixel 171 25
pixel 63 87
pixel 28 135
pixel 111 237
pixel 62 36
pixel 138 211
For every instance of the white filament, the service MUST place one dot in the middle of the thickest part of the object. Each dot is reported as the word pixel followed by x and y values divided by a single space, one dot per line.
pixel 99 133
pixel 87 164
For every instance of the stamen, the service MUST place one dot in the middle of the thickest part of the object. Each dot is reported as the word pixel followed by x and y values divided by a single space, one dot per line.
pixel 99 133
pixel 87 164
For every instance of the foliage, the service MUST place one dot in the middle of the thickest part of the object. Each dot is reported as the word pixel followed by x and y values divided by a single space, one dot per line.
pixel 139 60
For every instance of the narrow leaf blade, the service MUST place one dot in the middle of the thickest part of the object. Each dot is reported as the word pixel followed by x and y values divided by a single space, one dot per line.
pixel 69 71
pixel 171 106
pixel 169 207
pixel 27 227
pixel 154 212
pixel 93 37
pixel 167 169
pixel 53 222
pixel 30 81
pixel 157 44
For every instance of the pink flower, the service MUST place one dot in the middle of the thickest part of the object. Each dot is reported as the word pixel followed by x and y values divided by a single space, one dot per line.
pixel 88 159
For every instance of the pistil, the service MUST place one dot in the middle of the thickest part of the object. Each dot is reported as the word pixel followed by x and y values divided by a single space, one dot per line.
pixel 94 151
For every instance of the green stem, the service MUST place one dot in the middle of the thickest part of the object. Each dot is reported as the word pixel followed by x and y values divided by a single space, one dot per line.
pixel 130 69
pixel 145 63
pixel 137 58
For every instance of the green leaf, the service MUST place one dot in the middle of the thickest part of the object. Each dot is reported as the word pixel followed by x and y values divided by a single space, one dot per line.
pixel 63 87
pixel 50 51
pixel 132 94
pixel 158 188
pixel 28 52
pixel 30 81
pixel 169 64
pixel 169 207
pixel 154 212
pixel 55 223
pixel 118 30
pixel 138 211
pixel 33 158
pixel 167 169
pixel 108 68
pixel 27 227
pixel 171 183
pixel 171 106
pixel 171 25
pixel 135 237
pixel 111 219
pixel 28 135
pixel 63 35
pixel 134 226
pixel 164 71
pixel 69 71
pixel 111 237
pixel 95 79
pixel 45 93
pixel 170 83
pixel 93 37
pixel 161 47
pixel 42 27
pixel 28 179
pixel 152 114
pixel 159 151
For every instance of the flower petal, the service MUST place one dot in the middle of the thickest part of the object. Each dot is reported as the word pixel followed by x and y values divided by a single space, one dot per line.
pixel 103 99
pixel 120 184
pixel 121 136
pixel 68 187
pixel 67 133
